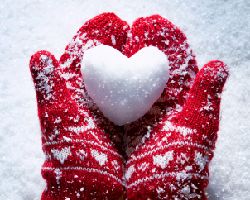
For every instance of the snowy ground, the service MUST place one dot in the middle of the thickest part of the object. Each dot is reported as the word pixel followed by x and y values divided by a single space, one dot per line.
pixel 216 29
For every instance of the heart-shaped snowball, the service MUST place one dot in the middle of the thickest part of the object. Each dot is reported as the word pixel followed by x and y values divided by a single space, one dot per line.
pixel 124 88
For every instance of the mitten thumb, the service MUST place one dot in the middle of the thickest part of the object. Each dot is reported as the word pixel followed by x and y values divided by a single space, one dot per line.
pixel 50 87
pixel 201 110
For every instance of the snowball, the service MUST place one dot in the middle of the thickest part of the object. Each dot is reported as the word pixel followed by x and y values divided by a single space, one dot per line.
pixel 124 88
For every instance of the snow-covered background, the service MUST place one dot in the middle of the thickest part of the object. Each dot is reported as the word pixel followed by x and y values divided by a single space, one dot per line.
pixel 216 29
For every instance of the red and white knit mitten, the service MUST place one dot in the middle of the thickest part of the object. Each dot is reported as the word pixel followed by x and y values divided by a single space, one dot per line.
pixel 81 161
pixel 173 162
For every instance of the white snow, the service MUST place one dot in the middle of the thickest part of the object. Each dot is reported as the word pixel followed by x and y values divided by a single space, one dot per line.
pixel 201 160
pixel 113 39
pixel 215 30
pixel 119 84
pixel 58 173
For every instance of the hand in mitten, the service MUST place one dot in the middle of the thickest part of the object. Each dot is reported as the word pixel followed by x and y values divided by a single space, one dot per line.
pixel 161 33
pixel 83 149
pixel 173 162
pixel 81 160
pixel 110 30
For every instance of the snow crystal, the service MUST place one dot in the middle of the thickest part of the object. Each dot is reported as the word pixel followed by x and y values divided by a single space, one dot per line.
pixel 188 168
pixel 113 39
pixel 186 190
pixel 67 76
pixel 45 86
pixel 201 160
pixel 119 84
pixel 58 173
pixel 58 120
pixel 76 176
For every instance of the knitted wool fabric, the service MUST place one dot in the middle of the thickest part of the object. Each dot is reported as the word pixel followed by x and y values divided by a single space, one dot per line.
pixel 154 30
pixel 173 161
pixel 81 161
pixel 85 152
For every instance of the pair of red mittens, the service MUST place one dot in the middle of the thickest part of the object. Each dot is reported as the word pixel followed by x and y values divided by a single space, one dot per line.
pixel 85 153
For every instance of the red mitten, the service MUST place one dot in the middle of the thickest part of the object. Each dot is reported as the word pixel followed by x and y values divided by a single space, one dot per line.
pixel 81 161
pixel 158 31
pixel 173 162
pixel 98 30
